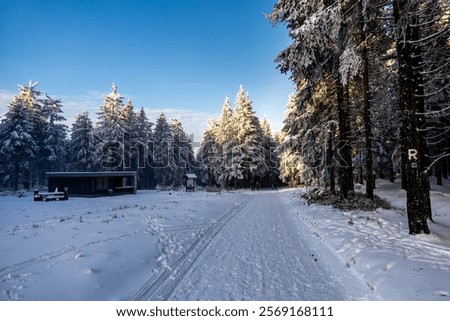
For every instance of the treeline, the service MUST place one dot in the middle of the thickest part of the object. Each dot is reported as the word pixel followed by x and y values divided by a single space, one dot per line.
pixel 372 96
pixel 34 140
pixel 237 149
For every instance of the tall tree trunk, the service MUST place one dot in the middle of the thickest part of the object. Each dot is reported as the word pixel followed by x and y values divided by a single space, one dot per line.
pixel 344 148
pixel 444 167
pixel 343 153
pixel 444 160
pixel 412 103
pixel 439 166
pixel 370 179
pixel 330 157
pixel 391 171
pixel 367 125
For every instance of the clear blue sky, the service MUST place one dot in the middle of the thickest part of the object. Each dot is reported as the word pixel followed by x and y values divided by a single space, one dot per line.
pixel 182 56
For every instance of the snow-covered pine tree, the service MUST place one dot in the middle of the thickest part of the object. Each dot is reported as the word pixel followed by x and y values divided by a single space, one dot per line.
pixel 161 153
pixel 110 132
pixel 270 155
pixel 142 135
pixel 303 136
pixel 317 29
pixel 210 157
pixel 414 39
pixel 435 31
pixel 130 152
pixel 142 126
pixel 55 135
pixel 183 153
pixel 248 165
pixel 18 148
pixel 225 132
pixel 81 146
pixel 289 154
pixel 31 98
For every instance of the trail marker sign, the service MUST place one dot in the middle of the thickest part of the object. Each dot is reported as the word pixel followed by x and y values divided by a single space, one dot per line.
pixel 412 154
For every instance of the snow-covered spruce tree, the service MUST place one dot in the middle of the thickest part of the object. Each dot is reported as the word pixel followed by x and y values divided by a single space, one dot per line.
pixel 161 153
pixel 270 155
pixel 18 148
pixel 233 149
pixel 55 135
pixel 31 98
pixel 359 59
pixel 48 134
pixel 110 131
pixel 308 111
pixel 183 153
pixel 378 48
pixel 317 30
pixel 435 34
pixel 210 156
pixel 225 131
pixel 130 150
pixel 248 164
pixel 386 119
pixel 290 161
pixel 81 146
pixel 142 135
pixel 422 33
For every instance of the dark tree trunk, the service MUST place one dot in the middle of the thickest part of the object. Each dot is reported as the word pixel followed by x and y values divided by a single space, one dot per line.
pixel 439 173
pixel 412 103
pixel 370 179
pixel 330 156
pixel 344 148
pixel 391 171
pixel 444 162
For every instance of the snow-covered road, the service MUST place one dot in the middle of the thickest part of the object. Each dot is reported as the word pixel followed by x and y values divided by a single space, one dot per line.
pixel 259 250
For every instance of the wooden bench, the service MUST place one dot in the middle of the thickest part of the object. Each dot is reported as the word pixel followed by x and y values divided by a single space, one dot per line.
pixel 51 196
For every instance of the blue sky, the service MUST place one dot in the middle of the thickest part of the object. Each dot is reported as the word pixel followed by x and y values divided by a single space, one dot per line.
pixel 178 56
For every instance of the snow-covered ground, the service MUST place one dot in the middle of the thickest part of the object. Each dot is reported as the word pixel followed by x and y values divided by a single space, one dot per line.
pixel 238 245
pixel 377 245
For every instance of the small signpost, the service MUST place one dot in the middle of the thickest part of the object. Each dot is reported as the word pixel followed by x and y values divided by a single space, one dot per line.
pixel 190 182
pixel 412 157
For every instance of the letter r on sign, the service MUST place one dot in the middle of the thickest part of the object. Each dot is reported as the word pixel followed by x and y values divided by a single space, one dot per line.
pixel 412 154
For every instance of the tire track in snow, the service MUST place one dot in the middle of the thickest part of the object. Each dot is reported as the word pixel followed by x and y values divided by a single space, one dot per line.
pixel 161 285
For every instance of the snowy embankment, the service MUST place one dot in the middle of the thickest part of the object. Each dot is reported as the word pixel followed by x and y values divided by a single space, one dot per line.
pixel 266 245
pixel 396 265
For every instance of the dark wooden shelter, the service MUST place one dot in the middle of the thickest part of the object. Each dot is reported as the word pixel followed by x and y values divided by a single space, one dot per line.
pixel 90 184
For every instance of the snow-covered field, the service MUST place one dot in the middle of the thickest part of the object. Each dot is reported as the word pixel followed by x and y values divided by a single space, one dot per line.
pixel 238 245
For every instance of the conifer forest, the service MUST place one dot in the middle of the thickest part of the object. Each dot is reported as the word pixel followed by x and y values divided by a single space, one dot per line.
pixel 371 101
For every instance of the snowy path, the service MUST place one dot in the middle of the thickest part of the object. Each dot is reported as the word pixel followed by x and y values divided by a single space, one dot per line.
pixel 228 245
pixel 259 250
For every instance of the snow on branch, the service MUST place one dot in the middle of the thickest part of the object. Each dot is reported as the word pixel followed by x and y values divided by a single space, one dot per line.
pixel 349 64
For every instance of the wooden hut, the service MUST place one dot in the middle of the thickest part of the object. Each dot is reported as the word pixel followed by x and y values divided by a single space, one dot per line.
pixel 90 184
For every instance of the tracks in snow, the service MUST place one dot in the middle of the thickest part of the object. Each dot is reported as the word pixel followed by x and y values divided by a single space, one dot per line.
pixel 4 272
pixel 161 285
